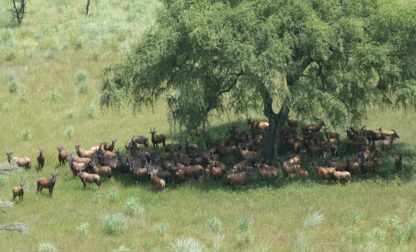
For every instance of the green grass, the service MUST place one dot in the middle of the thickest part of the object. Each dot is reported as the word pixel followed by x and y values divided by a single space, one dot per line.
pixel 45 56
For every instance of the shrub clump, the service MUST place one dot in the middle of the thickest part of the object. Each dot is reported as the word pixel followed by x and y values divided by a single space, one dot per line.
pixel 12 84
pixel 69 132
pixel 92 111
pixel 46 247
pixel 133 207
pixel 27 135
pixel 214 224
pixel 82 229
pixel 187 245
pixel 115 223
pixel 81 81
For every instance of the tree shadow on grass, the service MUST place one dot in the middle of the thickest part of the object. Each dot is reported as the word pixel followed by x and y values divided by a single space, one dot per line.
pixel 385 172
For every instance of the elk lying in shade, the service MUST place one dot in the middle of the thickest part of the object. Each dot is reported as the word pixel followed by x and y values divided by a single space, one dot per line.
pixel 236 179
pixel 47 183
pixel 19 161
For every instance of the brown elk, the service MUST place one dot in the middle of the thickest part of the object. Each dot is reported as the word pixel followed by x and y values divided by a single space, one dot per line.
pixel 312 128
pixel 354 166
pixel 47 183
pixel 257 128
pixel 62 155
pixel 41 159
pixel 294 124
pixel 84 153
pixel 18 191
pixel 301 173
pixel 140 140
pixel 89 178
pixel 398 163
pixel 332 136
pixel 387 133
pixel 340 175
pixel 266 172
pixel 110 146
pixel 157 182
pixel 77 167
pixel 369 165
pixel 216 172
pixel 323 172
pixel 19 161
pixel 157 138
pixel 235 179
pixel 102 170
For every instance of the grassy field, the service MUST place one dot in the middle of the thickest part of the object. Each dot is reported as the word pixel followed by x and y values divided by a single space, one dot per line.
pixel 50 81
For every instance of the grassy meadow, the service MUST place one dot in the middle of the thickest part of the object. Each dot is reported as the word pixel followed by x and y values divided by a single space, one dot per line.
pixel 50 81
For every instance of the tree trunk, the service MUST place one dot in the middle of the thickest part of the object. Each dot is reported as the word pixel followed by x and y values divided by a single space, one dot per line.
pixel 276 123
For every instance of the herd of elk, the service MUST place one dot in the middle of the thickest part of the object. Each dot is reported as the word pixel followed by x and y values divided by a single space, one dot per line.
pixel 161 168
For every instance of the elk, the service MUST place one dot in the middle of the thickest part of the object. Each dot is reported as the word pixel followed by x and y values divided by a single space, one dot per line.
pixel 311 128
pixel 110 146
pixel 157 182
pixel 84 153
pixel 369 165
pixel 235 179
pixel 19 161
pixel 301 173
pixel 398 163
pixel 340 175
pixel 89 178
pixel 47 183
pixel 257 128
pixel 157 139
pixel 18 191
pixel 294 124
pixel 266 172
pixel 102 170
pixel 140 140
pixel 217 172
pixel 41 159
pixel 387 133
pixel 332 136
pixel 62 155
pixel 323 172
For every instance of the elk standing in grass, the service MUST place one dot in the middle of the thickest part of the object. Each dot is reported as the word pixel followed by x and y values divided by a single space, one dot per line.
pixel 84 153
pixel 157 182
pixel 157 138
pixel 47 183
pixel 89 178
pixel 41 159
pixel 62 155
pixel 18 191
pixel 19 161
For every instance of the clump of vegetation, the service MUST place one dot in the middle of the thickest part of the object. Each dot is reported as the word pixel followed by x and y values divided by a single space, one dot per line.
pixel 122 248
pixel 161 228
pixel 52 95
pixel 133 207
pixel 301 242
pixel 377 235
pixel 92 111
pixel 406 232
pixel 82 81
pixel 187 245
pixel 70 114
pixel 214 224
pixel 313 219
pixel 22 96
pixel 27 135
pixel 3 179
pixel 12 84
pixel 391 221
pixel 217 242
pixel 46 247
pixel 355 217
pixel 69 132
pixel 244 230
pixel 112 195
pixel 115 223
pixel 82 229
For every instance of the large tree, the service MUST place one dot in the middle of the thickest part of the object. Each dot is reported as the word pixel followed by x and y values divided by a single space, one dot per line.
pixel 317 58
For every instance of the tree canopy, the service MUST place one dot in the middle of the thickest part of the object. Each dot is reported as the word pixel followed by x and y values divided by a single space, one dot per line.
pixel 317 58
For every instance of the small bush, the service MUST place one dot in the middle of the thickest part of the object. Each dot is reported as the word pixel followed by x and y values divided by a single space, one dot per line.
pixel 12 84
pixel 313 219
pixel 244 230
pixel 133 208
pixel 376 235
pixel 406 232
pixel 22 96
pixel 301 242
pixel 214 224
pixel 355 217
pixel 69 132
pixel 354 236
pixel 52 95
pixel 391 221
pixel 91 111
pixel 161 228
pixel 115 224
pixel 3 179
pixel 217 242
pixel 82 229
pixel 70 114
pixel 112 195
pixel 26 135
pixel 122 248
pixel 46 247
pixel 81 81
pixel 187 245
